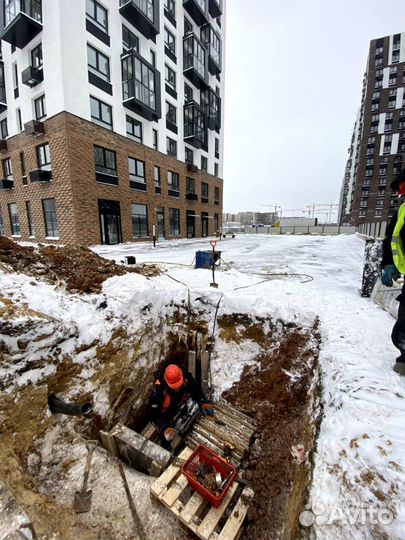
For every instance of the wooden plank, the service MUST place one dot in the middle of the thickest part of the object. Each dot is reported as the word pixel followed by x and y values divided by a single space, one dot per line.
pixel 175 490
pixel 234 424
pixel 211 437
pixel 150 431
pixel 191 362
pixel 235 520
pixel 159 487
pixel 204 371
pixel 108 442
pixel 233 414
pixel 193 507
pixel 241 446
pixel 227 432
pixel 211 520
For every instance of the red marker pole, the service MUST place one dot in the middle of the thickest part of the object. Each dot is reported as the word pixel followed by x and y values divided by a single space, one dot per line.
pixel 213 244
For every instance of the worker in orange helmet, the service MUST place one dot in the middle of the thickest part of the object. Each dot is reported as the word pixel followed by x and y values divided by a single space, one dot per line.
pixel 170 393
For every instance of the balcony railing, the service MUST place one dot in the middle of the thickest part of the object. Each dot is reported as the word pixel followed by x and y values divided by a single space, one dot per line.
pixel 211 106
pixel 215 8
pixel 22 21
pixel 140 86
pixel 195 66
pixel 212 42
pixel 195 126
pixel 3 100
pixel 143 14
pixel 198 10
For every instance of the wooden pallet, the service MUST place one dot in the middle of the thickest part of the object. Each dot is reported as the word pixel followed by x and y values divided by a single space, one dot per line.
pixel 194 512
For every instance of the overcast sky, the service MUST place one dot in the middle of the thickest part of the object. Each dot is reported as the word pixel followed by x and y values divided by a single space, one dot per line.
pixel 294 71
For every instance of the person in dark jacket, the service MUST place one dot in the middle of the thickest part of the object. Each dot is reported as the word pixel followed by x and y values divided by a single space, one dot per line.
pixel 391 273
pixel 169 394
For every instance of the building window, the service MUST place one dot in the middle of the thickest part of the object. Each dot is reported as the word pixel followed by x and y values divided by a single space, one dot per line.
pixel 188 27
pixel 204 163
pixel 387 148
pixel 101 113
pixel 51 220
pixel 190 185
pixel 362 213
pixel 173 183
pixel 170 77
pixel 8 169
pixel 217 148
pixel 36 56
pixel 2 231
pixel 44 157
pixel 378 213
pixel 139 213
pixel 171 114
pixel 4 129
pixel 134 129
pixel 216 196
pixel 188 93
pixel 204 192
pixel 23 169
pixel 174 222
pixel 14 219
pixel 29 218
pixel 105 162
pixel 19 120
pixel 155 138
pixel 137 174
pixel 15 81
pixel 170 7
pixel 171 147
pixel 156 176
pixel 170 42
pixel 40 107
pixel 97 14
pixel 153 58
pixel 216 169
pixel 129 40
pixel 189 155
pixel 98 63
pixel 216 222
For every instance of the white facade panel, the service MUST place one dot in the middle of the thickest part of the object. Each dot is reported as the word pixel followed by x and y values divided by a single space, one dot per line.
pixel 386 77
pixel 64 42
pixel 400 98
pixel 394 143
pixel 381 123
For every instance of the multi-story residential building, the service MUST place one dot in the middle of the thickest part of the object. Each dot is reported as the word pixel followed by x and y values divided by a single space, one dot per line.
pixel 378 140
pixel 251 218
pixel 111 119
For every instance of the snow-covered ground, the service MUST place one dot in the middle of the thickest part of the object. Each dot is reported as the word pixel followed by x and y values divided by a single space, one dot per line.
pixel 358 487
pixel 360 460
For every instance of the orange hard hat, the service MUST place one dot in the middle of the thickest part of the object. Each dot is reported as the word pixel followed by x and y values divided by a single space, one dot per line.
pixel 173 376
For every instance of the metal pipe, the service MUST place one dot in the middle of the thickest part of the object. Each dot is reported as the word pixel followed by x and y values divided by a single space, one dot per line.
pixel 56 405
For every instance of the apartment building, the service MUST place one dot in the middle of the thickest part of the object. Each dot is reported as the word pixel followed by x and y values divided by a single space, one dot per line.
pixel 376 152
pixel 111 119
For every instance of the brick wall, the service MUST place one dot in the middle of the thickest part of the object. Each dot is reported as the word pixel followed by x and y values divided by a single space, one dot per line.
pixel 76 192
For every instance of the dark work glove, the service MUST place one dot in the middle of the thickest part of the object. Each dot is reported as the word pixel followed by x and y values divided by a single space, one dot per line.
pixel 390 275
pixel 207 409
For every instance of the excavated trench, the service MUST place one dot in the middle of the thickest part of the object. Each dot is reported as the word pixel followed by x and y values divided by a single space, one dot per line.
pixel 280 390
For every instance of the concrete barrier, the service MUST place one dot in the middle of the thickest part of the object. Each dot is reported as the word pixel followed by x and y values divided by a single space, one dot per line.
pixel 301 229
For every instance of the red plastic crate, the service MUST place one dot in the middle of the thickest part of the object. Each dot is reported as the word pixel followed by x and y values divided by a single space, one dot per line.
pixel 202 454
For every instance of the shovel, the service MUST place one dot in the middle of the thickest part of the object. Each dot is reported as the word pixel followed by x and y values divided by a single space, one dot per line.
pixel 82 500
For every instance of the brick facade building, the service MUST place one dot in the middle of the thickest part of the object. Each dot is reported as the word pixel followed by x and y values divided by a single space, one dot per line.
pixel 113 131
pixel 79 194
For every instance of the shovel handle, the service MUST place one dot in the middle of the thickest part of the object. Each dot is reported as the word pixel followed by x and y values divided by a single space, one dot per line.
pixel 90 445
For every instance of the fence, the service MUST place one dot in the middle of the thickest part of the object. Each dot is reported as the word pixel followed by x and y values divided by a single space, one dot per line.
pixel 302 229
pixel 375 230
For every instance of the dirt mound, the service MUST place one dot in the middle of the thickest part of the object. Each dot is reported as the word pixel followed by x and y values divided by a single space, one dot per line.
pixel 280 394
pixel 83 270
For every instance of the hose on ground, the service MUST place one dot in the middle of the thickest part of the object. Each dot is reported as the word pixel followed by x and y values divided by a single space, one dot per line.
pixel 56 405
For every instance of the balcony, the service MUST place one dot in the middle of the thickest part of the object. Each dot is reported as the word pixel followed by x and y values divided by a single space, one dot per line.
pixel 32 76
pixel 212 42
pixel 143 15
pixel 215 8
pixel 192 168
pixel 22 21
pixel 3 100
pixel 211 106
pixel 195 65
pixel 6 184
pixel 198 10
pixel 41 175
pixel 195 128
pixel 191 196
pixel 34 128
pixel 3 145
pixel 140 86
